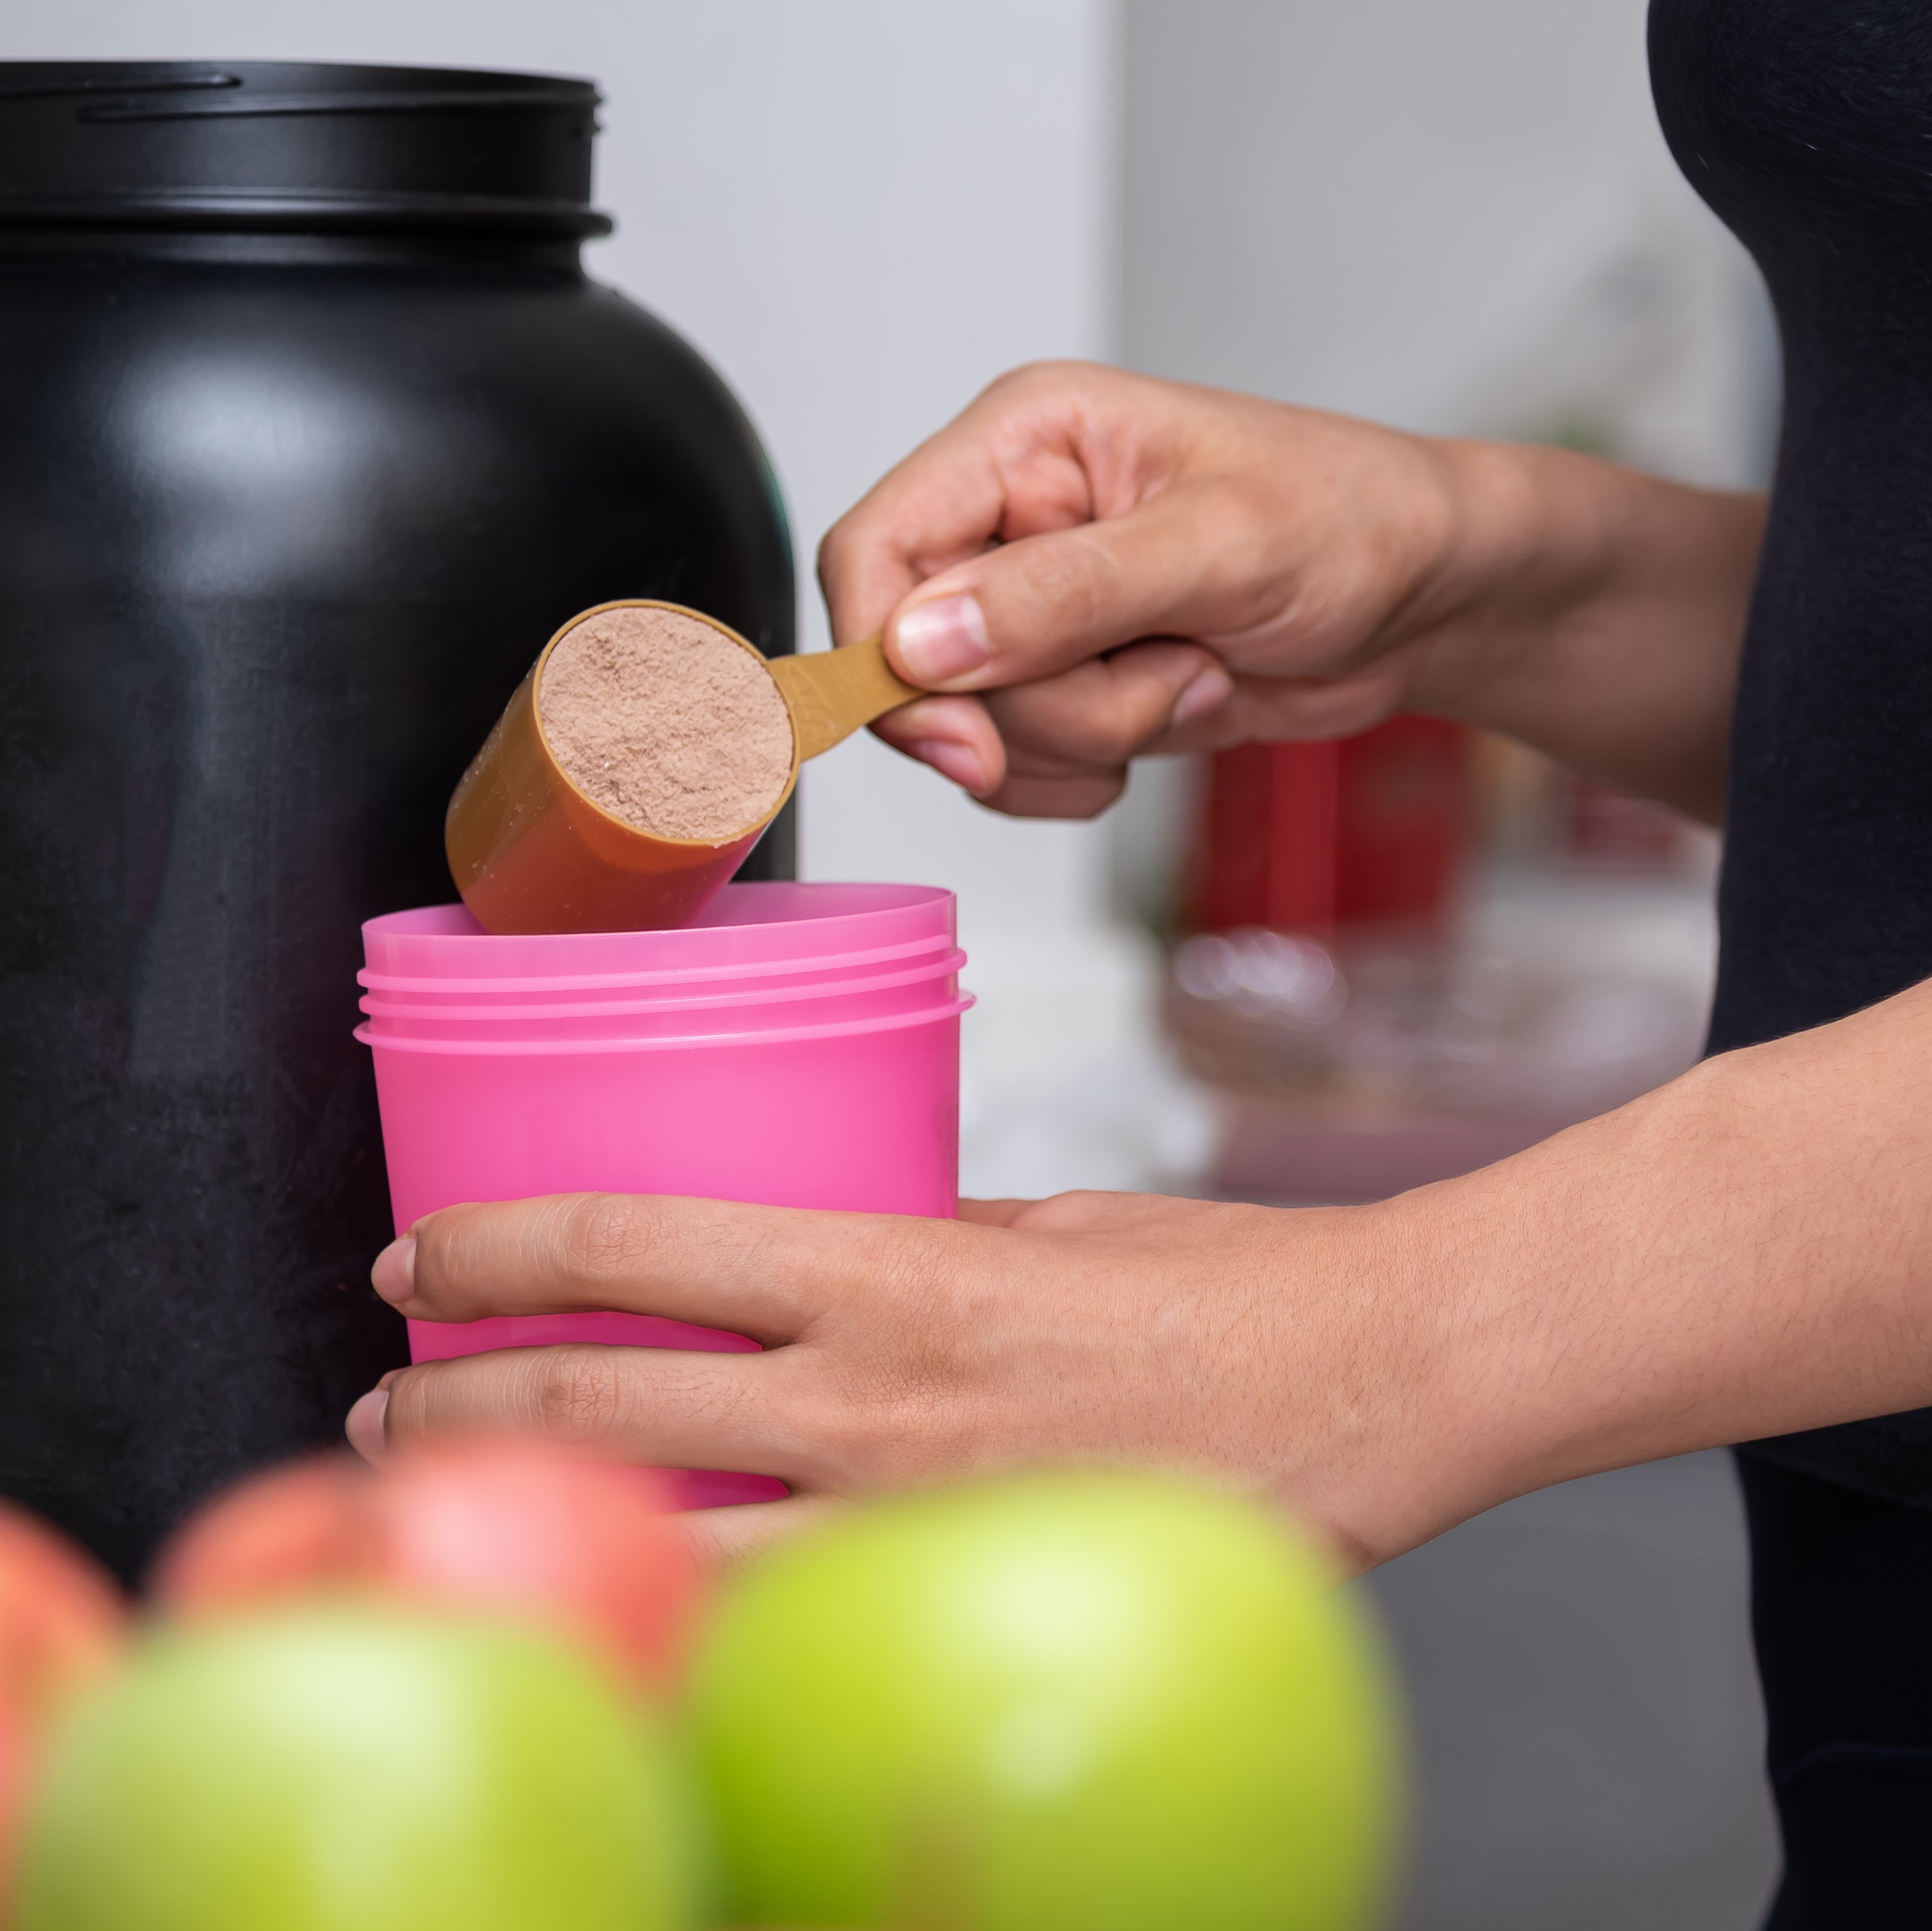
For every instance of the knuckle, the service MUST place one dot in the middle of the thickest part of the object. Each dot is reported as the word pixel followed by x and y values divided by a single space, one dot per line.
pixel 1021 375
pixel 880 1438
pixel 1048 379
pixel 605 1236
pixel 897 1414
pixel 1249 524
pixel 833 546
pixel 1072 579
pixel 1079 1207
pixel 1057 372
pixel 576 1392
pixel 1131 709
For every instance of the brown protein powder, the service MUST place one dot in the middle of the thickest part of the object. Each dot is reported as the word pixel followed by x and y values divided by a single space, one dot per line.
pixel 666 723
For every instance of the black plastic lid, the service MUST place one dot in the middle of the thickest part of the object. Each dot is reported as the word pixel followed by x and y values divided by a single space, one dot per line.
pixel 282 145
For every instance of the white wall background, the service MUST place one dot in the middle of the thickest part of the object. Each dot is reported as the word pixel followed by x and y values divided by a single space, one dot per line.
pixel 1461 218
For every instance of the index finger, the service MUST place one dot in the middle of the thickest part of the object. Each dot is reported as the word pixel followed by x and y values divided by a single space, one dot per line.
pixel 762 1271
pixel 1009 464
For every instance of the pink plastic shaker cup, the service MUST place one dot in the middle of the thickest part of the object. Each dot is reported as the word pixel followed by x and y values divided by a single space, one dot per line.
pixel 798 1046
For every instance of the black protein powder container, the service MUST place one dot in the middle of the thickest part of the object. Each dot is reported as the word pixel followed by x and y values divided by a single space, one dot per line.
pixel 312 430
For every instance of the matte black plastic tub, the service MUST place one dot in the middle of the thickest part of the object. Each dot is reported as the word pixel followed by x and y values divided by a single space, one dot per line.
pixel 311 431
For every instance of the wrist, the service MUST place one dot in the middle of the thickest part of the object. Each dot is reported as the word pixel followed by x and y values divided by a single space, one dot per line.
pixel 1547 1324
pixel 1593 1301
pixel 1525 551
pixel 1446 1253
pixel 1399 1434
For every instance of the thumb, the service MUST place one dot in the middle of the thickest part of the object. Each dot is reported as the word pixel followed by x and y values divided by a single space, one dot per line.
pixel 1039 605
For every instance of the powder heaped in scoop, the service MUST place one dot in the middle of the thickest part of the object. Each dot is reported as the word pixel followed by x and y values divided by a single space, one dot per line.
pixel 666 723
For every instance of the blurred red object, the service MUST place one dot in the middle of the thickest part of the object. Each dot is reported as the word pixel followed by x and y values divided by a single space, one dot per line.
pixel 63 1624
pixel 507 1525
pixel 1312 838
pixel 1603 828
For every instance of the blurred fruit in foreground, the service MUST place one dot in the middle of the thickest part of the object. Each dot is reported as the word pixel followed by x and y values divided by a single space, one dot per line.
pixel 62 1620
pixel 357 1769
pixel 502 1523
pixel 62 1624
pixel 1073 1702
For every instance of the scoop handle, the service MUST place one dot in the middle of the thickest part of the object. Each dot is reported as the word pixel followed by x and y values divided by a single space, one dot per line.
pixel 831 693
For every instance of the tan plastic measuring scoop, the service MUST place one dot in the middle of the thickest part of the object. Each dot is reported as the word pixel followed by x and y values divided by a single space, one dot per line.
pixel 530 852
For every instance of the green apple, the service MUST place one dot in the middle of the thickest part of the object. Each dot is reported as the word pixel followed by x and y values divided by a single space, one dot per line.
pixel 1086 1701
pixel 358 1770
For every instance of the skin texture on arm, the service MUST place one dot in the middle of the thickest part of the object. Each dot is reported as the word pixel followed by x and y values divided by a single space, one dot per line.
pixel 1101 565
pixel 1746 1251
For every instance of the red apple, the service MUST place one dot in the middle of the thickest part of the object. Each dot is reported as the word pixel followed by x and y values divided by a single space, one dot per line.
pixel 63 1624
pixel 62 1620
pixel 485 1523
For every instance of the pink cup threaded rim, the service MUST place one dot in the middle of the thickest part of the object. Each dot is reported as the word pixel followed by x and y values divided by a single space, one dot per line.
pixel 397 1042
pixel 378 1006
pixel 481 986
pixel 786 924
pixel 776 964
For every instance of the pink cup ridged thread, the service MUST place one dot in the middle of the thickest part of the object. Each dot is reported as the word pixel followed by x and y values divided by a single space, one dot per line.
pixel 798 1046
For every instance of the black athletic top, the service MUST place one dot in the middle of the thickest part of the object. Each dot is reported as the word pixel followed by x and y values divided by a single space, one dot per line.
pixel 1807 125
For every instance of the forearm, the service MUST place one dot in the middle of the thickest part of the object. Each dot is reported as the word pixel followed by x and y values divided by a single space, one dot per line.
pixel 1596 614
pixel 1746 1252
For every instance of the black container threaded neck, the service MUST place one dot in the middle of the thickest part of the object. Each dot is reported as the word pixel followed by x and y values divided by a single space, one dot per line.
pixel 283 146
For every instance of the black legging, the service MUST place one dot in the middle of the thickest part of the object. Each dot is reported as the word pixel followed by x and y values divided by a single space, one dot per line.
pixel 1841 1608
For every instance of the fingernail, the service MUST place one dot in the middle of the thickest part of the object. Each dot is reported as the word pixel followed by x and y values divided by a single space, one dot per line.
pixel 1208 690
pixel 365 1427
pixel 393 1274
pixel 942 640
pixel 950 760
